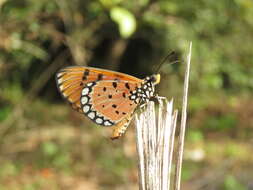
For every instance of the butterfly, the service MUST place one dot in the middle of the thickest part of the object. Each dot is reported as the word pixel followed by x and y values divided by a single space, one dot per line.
pixel 106 97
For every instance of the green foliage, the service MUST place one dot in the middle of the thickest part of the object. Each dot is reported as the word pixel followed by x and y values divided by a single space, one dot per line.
pixel 125 20
pixel 4 112
pixel 231 183
pixel 55 155
pixel 221 122
pixel 214 28
pixel 188 171
pixel 195 136
pixel 9 169
pixel 50 149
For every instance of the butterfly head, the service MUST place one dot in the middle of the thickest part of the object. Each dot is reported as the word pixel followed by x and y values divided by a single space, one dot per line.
pixel 154 79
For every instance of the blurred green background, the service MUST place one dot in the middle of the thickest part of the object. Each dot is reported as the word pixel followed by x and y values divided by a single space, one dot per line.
pixel 46 145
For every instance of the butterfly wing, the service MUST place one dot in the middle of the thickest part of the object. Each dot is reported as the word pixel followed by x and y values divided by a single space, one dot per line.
pixel 72 80
pixel 108 102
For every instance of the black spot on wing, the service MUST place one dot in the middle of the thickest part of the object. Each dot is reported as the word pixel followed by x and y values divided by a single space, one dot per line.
pixel 127 85
pixel 86 72
pixel 100 76
pixel 114 84
pixel 84 77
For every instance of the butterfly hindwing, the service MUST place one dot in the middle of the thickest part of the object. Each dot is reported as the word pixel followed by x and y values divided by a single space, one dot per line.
pixel 108 102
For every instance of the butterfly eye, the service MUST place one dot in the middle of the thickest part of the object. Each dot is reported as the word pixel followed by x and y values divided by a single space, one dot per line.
pixel 155 79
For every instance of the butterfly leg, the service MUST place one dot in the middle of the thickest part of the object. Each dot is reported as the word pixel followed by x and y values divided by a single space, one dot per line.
pixel 143 105
pixel 121 127
pixel 160 99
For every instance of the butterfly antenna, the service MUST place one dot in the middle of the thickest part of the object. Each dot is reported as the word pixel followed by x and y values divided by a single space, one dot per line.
pixel 165 59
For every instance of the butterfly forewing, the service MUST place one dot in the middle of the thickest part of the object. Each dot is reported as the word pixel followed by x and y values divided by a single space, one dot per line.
pixel 72 80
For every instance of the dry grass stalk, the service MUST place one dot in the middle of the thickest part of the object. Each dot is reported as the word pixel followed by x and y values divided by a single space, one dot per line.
pixel 180 148
pixel 155 140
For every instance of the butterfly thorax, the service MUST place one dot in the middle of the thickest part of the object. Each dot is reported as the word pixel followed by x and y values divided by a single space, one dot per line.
pixel 146 90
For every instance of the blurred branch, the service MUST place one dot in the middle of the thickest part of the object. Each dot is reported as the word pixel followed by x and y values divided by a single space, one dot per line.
pixel 116 52
pixel 145 8
pixel 47 74
pixel 70 27
pixel 18 110
pixel 79 34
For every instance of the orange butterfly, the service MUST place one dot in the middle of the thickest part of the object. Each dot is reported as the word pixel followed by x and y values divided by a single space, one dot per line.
pixel 108 98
